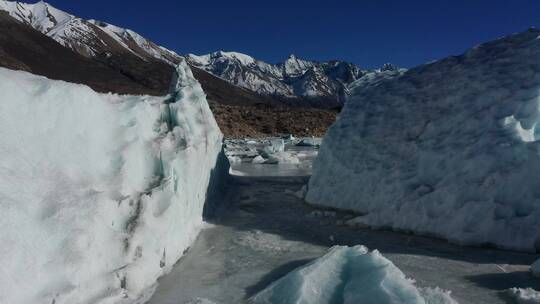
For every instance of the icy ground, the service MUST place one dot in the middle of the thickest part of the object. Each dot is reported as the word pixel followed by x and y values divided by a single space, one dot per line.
pixel 267 231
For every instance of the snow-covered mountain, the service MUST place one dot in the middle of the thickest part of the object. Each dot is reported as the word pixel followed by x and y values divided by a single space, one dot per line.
pixel 90 38
pixel 292 78
pixel 294 81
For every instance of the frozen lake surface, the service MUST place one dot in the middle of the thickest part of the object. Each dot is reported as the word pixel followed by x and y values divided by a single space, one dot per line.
pixel 304 154
pixel 265 231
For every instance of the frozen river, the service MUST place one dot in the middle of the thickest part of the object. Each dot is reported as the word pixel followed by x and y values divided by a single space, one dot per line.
pixel 304 154
pixel 265 231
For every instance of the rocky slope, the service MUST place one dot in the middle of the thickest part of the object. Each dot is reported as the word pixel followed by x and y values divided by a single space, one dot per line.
pixel 23 48
pixel 126 52
pixel 91 38
pixel 264 120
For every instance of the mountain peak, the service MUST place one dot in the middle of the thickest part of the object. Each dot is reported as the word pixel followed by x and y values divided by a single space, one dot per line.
pixel 389 67
pixel 292 78
pixel 87 37
pixel 242 58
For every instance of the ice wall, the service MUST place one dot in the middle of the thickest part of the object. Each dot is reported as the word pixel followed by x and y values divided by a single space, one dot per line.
pixel 100 194
pixel 449 148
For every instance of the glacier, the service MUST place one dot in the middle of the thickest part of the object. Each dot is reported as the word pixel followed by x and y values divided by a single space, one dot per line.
pixel 448 149
pixel 349 275
pixel 100 194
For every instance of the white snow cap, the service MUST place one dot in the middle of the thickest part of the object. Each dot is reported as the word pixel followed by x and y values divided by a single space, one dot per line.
pixel 206 59
pixel 448 148
pixel 99 193
pixel 83 36
pixel 349 275
pixel 292 78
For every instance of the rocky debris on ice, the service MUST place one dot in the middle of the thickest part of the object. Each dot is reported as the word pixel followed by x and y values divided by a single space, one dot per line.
pixel 524 295
pixel 349 275
pixel 448 149
pixel 100 194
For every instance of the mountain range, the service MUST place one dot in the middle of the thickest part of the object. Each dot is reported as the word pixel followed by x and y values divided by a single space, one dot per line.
pixel 322 84
pixel 122 61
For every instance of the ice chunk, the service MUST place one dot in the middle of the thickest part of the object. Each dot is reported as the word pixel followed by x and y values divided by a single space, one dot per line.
pixel 258 160
pixel 535 269
pixel 301 193
pixel 288 137
pixel 282 158
pixel 199 301
pixel 277 145
pixel 234 159
pixel 99 193
pixel 448 149
pixel 349 275
pixel 525 295
pixel 309 142
pixel 276 158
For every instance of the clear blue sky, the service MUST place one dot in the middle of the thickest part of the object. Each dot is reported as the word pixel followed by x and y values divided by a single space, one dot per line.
pixel 368 33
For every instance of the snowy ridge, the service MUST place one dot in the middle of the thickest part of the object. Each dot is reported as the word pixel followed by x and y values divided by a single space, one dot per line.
pixel 87 37
pixel 110 199
pixel 292 78
pixel 322 84
pixel 244 71
pixel 448 148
